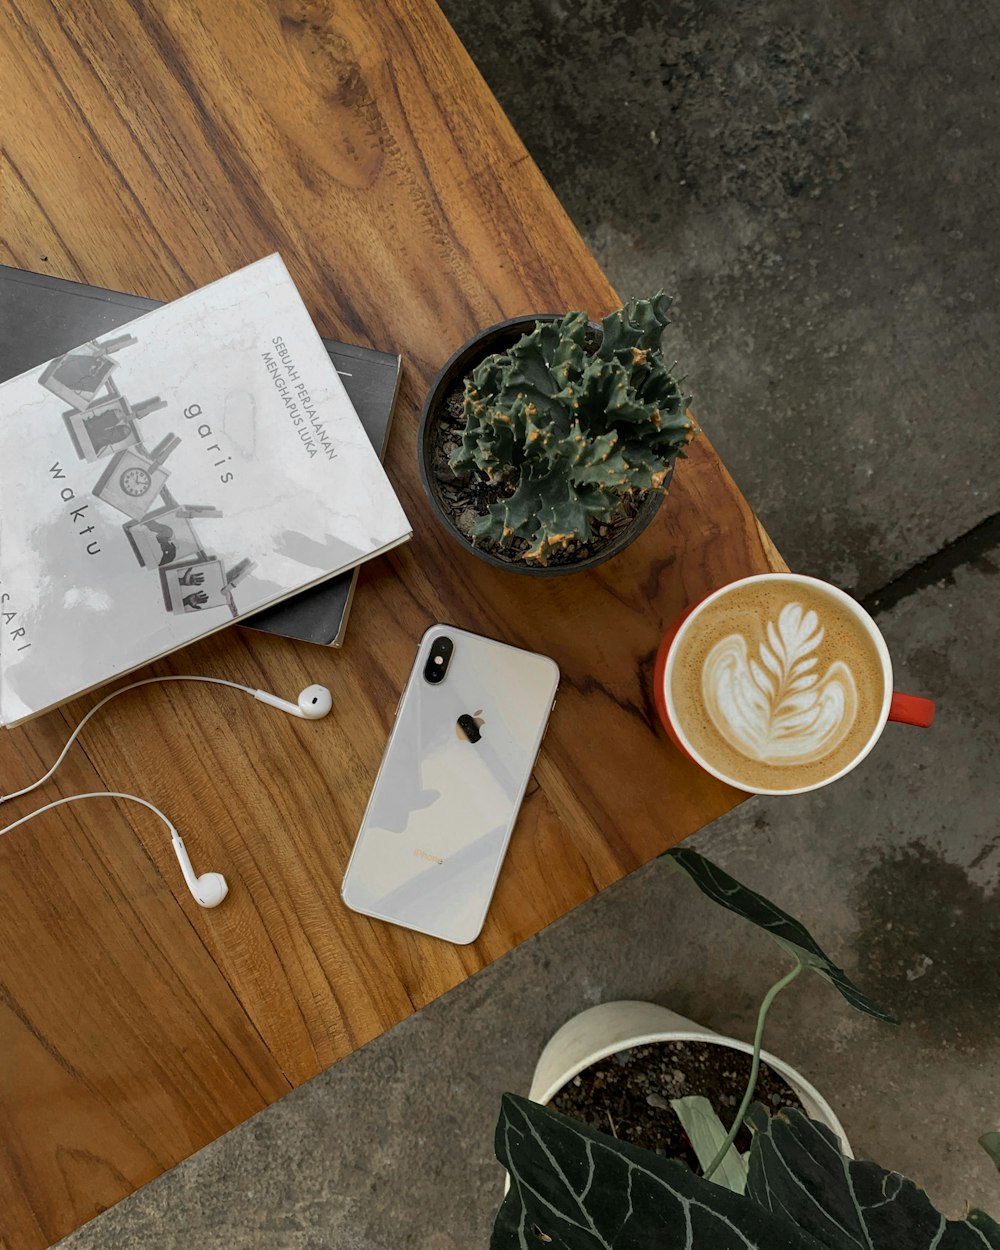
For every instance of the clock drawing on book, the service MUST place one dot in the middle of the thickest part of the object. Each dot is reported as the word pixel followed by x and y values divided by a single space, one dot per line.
pixel 134 478
pixel 135 481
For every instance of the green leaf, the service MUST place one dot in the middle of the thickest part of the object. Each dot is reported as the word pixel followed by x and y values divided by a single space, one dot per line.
pixel 490 524
pixel 707 1133
pixel 578 1189
pixel 986 1226
pixel 519 512
pixel 487 377
pixel 600 504
pixel 561 518
pixel 797 1170
pixel 647 469
pixel 598 463
pixel 790 935
pixel 640 323
pixel 495 446
pixel 539 438
pixel 602 385
pixel 567 359
pixel 661 388
pixel 527 370
pixel 990 1142
pixel 524 371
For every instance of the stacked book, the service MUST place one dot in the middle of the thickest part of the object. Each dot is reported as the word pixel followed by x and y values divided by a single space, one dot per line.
pixel 166 472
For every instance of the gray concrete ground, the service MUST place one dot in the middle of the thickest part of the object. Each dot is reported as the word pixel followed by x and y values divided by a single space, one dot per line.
pixel 817 183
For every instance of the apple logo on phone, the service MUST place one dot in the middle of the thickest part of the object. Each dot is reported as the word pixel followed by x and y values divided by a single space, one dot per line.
pixel 468 726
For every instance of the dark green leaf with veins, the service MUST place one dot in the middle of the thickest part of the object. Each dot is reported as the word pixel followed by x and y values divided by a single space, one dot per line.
pixel 576 1189
pixel 798 1172
pixel 790 935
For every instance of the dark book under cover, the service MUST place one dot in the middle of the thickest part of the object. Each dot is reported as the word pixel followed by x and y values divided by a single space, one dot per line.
pixel 42 317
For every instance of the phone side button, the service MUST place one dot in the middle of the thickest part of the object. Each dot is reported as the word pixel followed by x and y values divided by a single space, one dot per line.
pixel 548 720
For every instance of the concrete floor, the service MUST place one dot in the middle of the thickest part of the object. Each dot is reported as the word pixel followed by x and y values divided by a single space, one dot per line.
pixel 819 189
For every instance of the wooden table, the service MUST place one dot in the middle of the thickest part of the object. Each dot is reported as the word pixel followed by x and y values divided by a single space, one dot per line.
pixel 152 147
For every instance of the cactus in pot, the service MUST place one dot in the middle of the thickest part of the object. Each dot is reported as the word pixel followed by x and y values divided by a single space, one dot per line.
pixel 571 435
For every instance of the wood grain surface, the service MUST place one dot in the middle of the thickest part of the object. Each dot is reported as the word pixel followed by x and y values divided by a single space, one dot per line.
pixel 152 146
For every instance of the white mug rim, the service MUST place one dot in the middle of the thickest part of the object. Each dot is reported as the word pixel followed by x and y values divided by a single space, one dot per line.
pixel 859 614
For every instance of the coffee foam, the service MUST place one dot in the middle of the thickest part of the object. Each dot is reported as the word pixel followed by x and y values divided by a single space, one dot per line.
pixel 777 685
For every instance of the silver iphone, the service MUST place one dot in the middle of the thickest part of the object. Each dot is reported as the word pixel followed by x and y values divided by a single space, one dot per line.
pixel 450 784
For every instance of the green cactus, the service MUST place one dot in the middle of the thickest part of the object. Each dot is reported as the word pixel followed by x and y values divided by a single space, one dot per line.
pixel 569 435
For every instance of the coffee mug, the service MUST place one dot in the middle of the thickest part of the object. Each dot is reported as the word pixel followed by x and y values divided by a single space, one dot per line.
pixel 778 684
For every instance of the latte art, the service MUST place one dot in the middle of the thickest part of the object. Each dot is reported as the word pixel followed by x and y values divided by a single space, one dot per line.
pixel 775 706
pixel 777 683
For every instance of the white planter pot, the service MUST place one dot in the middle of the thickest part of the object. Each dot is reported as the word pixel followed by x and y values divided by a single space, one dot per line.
pixel 610 1027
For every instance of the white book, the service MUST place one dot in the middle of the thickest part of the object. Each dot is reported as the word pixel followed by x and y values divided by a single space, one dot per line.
pixel 197 465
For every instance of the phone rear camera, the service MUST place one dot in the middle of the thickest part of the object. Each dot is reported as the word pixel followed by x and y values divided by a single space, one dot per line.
pixel 438 661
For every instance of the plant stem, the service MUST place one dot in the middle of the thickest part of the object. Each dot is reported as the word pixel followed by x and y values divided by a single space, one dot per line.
pixel 769 998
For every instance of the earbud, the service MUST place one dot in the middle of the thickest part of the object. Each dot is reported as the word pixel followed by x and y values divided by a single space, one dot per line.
pixel 313 703
pixel 210 888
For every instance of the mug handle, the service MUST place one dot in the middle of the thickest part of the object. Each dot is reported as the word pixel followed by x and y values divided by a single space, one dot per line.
pixel 911 709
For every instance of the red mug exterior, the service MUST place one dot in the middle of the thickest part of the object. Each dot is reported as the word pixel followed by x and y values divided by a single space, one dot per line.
pixel 906 709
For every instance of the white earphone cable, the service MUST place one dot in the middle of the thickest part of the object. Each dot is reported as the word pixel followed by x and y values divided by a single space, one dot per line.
pixel 148 681
pixel 95 794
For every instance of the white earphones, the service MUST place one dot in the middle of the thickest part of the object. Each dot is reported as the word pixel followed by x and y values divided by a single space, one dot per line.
pixel 313 703
pixel 210 888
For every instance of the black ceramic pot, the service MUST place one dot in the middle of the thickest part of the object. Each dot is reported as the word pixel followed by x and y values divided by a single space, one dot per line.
pixel 499 338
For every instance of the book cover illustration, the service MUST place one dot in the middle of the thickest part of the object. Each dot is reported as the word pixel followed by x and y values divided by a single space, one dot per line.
pixel 109 423
pixel 80 375
pixel 42 317
pixel 203 458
